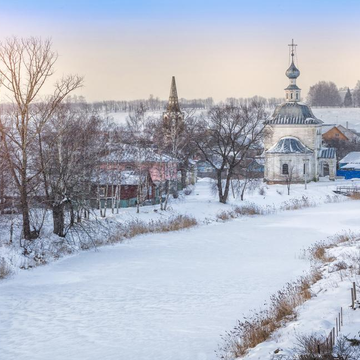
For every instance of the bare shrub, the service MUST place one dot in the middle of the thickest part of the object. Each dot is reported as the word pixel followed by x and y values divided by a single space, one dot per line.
pixel 314 346
pixel 307 347
pixel 355 196
pixel 296 204
pixel 262 191
pixel 249 209
pixel 333 199
pixel 5 269
pixel 139 227
pixel 343 237
pixel 318 252
pixel 225 215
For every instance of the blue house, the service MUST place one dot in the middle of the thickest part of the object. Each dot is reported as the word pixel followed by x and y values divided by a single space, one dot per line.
pixel 349 166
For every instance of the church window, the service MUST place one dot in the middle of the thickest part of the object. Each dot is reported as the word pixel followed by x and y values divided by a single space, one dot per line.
pixel 297 96
pixel 291 95
pixel 304 168
pixel 287 96
pixel 285 169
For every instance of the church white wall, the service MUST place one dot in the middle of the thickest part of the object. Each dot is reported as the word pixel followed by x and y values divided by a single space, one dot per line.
pixel 309 135
pixel 274 162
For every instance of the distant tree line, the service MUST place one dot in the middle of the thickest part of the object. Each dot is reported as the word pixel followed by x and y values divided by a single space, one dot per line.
pixel 326 93
pixel 152 104
pixel 155 104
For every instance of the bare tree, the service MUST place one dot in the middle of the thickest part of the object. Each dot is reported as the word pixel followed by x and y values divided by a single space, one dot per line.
pixel 225 136
pixel 324 94
pixel 138 136
pixel 69 149
pixel 25 66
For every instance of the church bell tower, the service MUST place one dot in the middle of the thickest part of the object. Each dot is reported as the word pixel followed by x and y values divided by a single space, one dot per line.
pixel 292 92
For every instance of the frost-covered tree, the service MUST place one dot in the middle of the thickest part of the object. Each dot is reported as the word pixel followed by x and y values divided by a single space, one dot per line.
pixel 25 66
pixel 69 149
pixel 356 94
pixel 324 94
pixel 225 136
pixel 348 101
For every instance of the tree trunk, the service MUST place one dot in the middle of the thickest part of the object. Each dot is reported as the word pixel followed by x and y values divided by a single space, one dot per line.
pixel 25 214
pixel 183 177
pixel 219 186
pixel 167 195
pixel 227 188
pixel 59 219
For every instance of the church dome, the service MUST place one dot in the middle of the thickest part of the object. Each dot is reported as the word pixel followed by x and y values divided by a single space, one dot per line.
pixel 293 113
pixel 292 72
pixel 289 145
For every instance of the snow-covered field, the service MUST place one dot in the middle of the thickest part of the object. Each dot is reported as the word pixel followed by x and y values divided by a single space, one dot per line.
pixel 339 116
pixel 166 296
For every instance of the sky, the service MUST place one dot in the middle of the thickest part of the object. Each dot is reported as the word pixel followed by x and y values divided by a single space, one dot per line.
pixel 129 49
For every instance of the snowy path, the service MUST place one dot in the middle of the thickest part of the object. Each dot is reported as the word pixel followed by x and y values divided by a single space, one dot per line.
pixel 166 296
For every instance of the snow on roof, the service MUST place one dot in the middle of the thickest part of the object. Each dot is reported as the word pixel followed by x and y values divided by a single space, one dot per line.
pixel 351 166
pixel 129 153
pixel 288 145
pixel 107 177
pixel 353 157
pixel 293 113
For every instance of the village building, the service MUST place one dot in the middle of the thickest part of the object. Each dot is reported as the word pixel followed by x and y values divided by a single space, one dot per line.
pixel 349 166
pixel 332 133
pixel 293 139
pixel 128 174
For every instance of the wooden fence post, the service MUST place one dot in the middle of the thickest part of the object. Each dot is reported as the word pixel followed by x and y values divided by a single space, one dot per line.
pixel 352 299
pixel 341 312
pixel 354 287
pixel 337 328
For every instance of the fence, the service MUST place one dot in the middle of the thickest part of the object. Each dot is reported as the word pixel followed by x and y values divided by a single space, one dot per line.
pixel 347 190
pixel 330 341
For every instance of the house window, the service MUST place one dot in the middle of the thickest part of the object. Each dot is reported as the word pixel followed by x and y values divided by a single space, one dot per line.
pixel 285 169
pixel 297 96
pixel 287 96
pixel 291 95
pixel 304 168
pixel 102 191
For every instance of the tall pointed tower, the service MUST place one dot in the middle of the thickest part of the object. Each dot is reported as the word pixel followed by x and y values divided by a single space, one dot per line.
pixel 173 104
pixel 173 118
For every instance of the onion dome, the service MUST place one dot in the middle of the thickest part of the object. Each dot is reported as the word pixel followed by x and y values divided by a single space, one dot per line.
pixel 292 72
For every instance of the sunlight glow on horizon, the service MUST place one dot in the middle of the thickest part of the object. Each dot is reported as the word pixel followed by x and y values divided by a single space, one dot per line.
pixel 129 50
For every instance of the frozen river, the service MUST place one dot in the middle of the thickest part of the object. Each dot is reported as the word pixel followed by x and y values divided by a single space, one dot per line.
pixel 160 297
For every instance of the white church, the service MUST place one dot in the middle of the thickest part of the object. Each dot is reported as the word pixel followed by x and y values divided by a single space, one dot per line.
pixel 293 139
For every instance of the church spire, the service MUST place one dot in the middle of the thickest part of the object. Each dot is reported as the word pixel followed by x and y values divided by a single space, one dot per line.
pixel 292 92
pixel 173 105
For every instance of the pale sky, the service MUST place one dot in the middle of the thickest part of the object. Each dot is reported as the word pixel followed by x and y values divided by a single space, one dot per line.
pixel 129 49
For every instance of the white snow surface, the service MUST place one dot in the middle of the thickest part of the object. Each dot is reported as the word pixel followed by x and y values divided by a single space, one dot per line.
pixel 339 116
pixel 165 296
